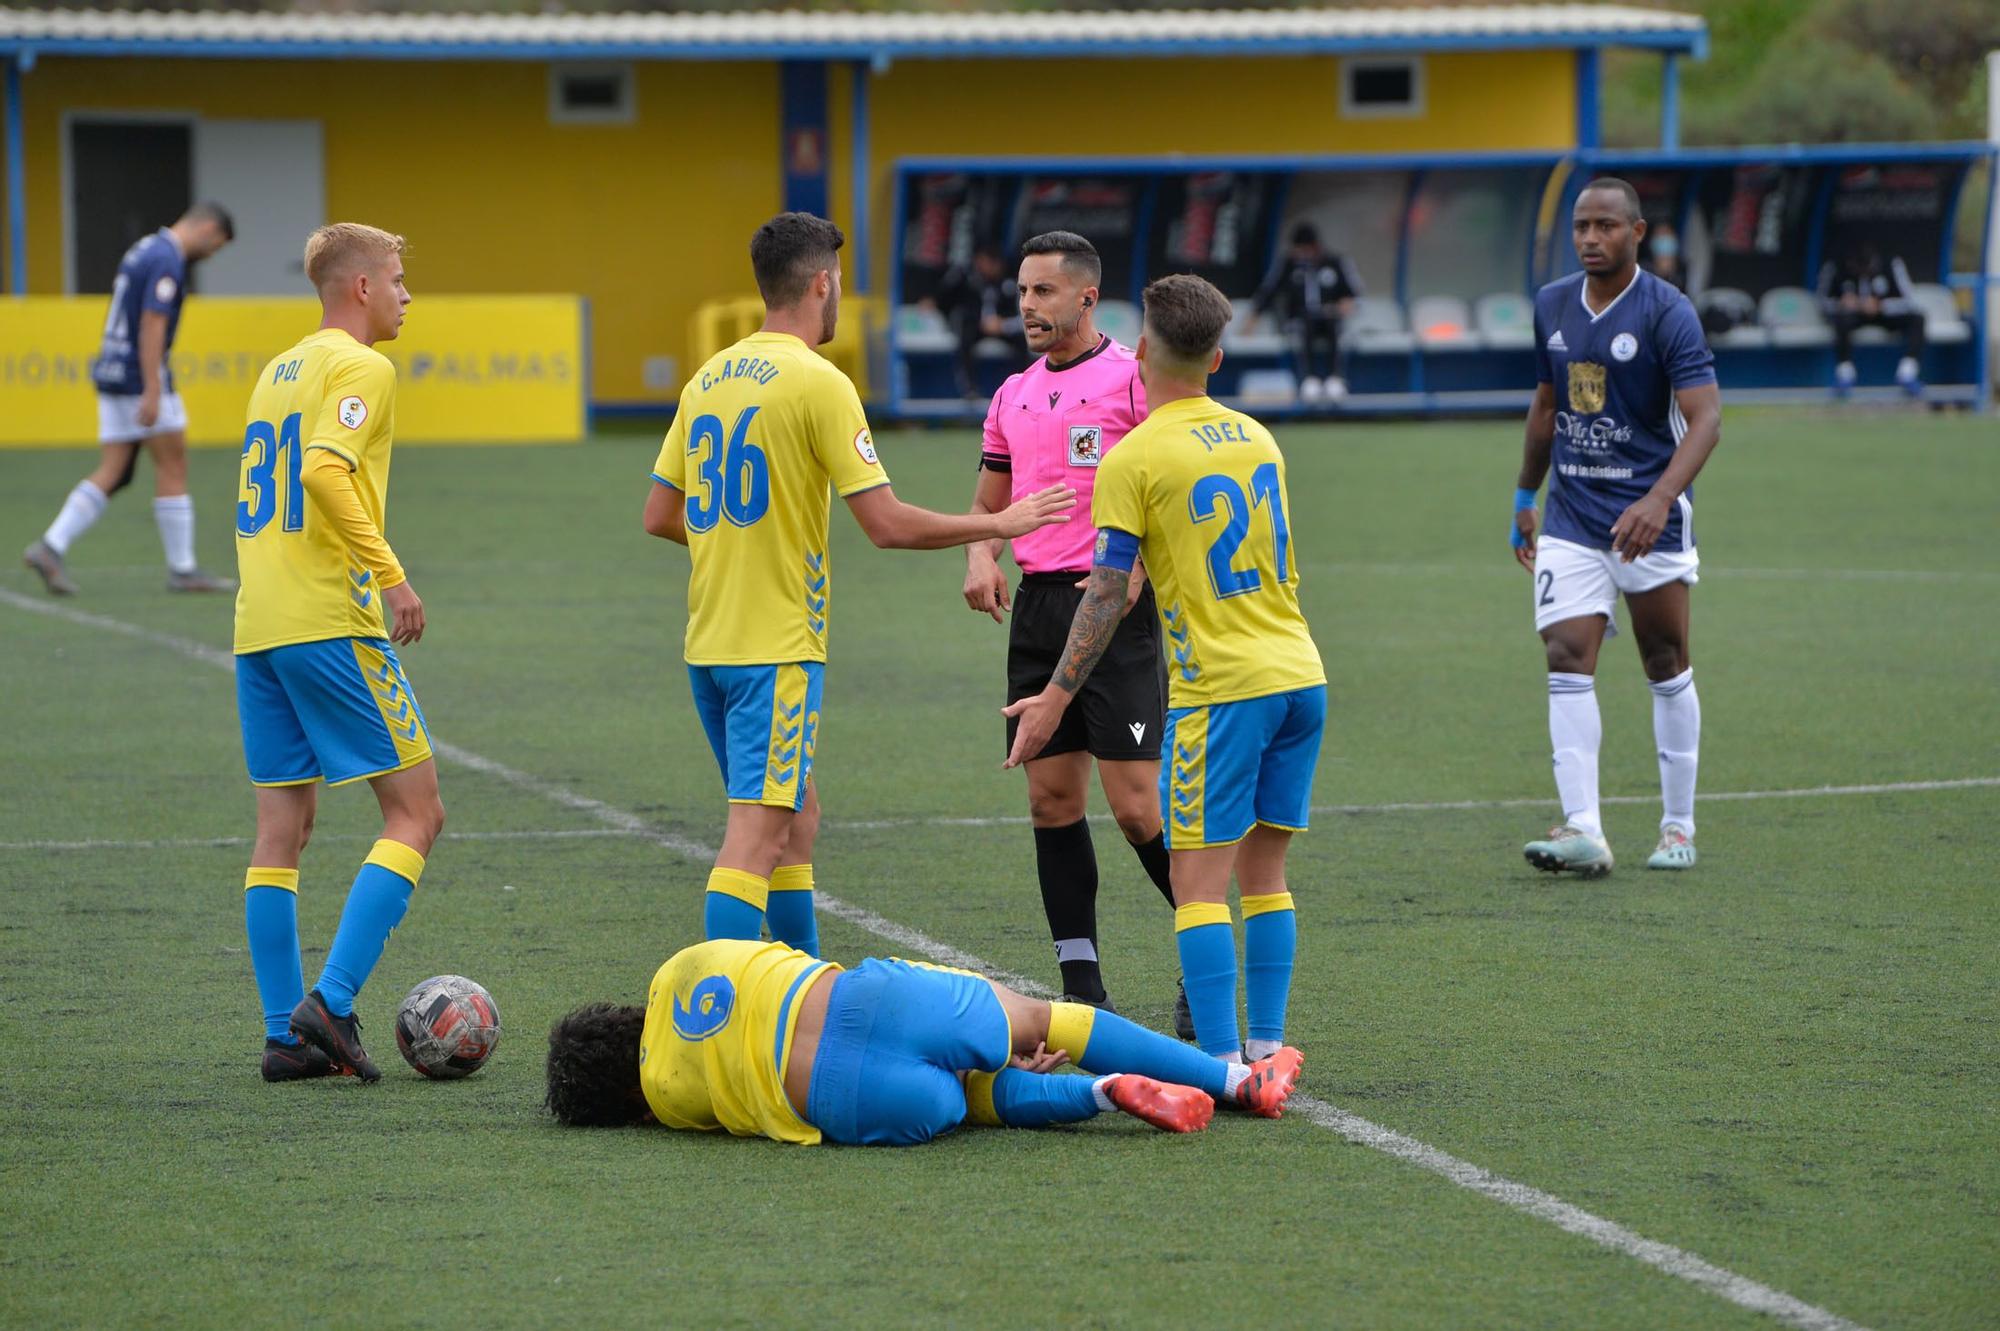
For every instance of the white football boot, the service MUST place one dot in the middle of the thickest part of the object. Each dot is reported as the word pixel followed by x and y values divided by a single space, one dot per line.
pixel 1675 851
pixel 1570 848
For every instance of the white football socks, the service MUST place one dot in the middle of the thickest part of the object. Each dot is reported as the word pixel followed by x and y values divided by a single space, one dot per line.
pixel 1100 1091
pixel 174 515
pixel 1677 735
pixel 1257 1050
pixel 1575 733
pixel 84 506
pixel 1239 1072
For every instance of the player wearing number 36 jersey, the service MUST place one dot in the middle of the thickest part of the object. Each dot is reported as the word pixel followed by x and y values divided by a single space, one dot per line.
pixel 319 690
pixel 1198 491
pixel 765 429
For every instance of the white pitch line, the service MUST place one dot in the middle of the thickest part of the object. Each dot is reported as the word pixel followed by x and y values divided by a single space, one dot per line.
pixel 1719 572
pixel 1436 806
pixel 645 832
pixel 1676 1262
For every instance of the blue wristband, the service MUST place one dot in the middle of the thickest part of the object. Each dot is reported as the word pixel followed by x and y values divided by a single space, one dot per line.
pixel 1522 499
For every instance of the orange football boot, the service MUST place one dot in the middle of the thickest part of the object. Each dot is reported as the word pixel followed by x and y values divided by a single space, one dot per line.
pixel 1270 1083
pixel 1166 1106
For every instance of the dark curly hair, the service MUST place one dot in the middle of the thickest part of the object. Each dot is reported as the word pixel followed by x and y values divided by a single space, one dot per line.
pixel 594 1067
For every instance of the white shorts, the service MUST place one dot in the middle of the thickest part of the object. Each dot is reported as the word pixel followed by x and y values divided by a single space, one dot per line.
pixel 1573 580
pixel 118 418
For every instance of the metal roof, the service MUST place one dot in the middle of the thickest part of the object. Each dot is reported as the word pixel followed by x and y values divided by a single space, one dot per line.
pixel 876 36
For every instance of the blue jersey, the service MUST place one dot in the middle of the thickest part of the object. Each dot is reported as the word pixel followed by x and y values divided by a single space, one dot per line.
pixel 152 279
pixel 1617 425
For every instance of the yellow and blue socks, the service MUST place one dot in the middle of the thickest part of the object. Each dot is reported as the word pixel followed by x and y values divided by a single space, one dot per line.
pixel 1017 1098
pixel 1104 1042
pixel 375 905
pixel 1270 944
pixel 789 908
pixel 1207 946
pixel 1066 868
pixel 734 904
pixel 271 923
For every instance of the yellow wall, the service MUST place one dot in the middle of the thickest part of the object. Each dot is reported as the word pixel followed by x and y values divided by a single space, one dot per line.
pixel 646 220
pixel 469 369
pixel 650 219
pixel 1474 102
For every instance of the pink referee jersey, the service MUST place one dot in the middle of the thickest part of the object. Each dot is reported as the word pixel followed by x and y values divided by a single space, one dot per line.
pixel 1052 425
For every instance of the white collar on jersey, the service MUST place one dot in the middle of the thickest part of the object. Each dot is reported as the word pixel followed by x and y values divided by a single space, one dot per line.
pixel 1583 295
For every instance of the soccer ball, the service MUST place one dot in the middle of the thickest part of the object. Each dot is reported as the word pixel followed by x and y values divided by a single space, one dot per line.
pixel 447 1027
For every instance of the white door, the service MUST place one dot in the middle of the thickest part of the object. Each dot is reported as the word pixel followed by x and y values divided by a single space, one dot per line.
pixel 271 176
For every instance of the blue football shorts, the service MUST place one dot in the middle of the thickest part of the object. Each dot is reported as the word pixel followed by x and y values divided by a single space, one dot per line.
pixel 337 710
pixel 897 1036
pixel 1232 765
pixel 762 721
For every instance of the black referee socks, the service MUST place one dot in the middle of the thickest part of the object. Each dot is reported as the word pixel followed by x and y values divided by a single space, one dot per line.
pixel 1159 863
pixel 1066 864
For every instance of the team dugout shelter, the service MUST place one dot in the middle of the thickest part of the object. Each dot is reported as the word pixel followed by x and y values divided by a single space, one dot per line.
pixel 619 162
pixel 1450 249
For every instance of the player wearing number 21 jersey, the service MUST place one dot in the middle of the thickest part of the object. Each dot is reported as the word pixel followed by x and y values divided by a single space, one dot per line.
pixel 322 606
pixel 765 431
pixel 1198 491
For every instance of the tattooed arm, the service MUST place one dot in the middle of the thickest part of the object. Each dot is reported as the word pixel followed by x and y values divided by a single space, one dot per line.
pixel 1089 635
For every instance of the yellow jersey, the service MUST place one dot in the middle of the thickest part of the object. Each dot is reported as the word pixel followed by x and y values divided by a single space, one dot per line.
pixel 763 430
pixel 297 579
pixel 718 1036
pixel 1203 488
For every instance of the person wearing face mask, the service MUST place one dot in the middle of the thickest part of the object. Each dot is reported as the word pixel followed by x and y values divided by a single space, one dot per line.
pixel 1663 257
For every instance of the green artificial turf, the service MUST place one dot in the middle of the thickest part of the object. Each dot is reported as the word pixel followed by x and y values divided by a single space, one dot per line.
pixel 1786 1061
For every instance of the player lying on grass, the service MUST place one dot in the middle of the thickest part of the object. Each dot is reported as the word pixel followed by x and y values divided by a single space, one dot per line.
pixel 764 1040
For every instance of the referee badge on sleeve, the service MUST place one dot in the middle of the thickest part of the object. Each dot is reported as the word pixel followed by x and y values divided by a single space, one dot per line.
pixel 1085 445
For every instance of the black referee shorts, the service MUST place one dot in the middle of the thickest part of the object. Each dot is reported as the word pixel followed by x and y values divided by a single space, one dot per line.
pixel 1121 711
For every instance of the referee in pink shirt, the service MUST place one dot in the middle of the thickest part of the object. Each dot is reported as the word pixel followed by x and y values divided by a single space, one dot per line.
pixel 1054 422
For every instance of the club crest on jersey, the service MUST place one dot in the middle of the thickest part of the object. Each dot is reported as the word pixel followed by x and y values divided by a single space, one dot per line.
pixel 1624 347
pixel 1586 386
pixel 353 411
pixel 864 444
pixel 1085 445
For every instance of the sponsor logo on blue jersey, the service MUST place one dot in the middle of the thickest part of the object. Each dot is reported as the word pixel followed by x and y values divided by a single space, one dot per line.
pixel 1615 373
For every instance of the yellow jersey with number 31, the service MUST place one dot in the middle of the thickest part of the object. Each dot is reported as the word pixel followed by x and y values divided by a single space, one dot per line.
pixel 297 581
pixel 764 430
pixel 1203 488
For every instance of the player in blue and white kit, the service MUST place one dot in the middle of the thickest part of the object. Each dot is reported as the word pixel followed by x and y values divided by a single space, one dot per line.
pixel 136 403
pixel 1628 409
